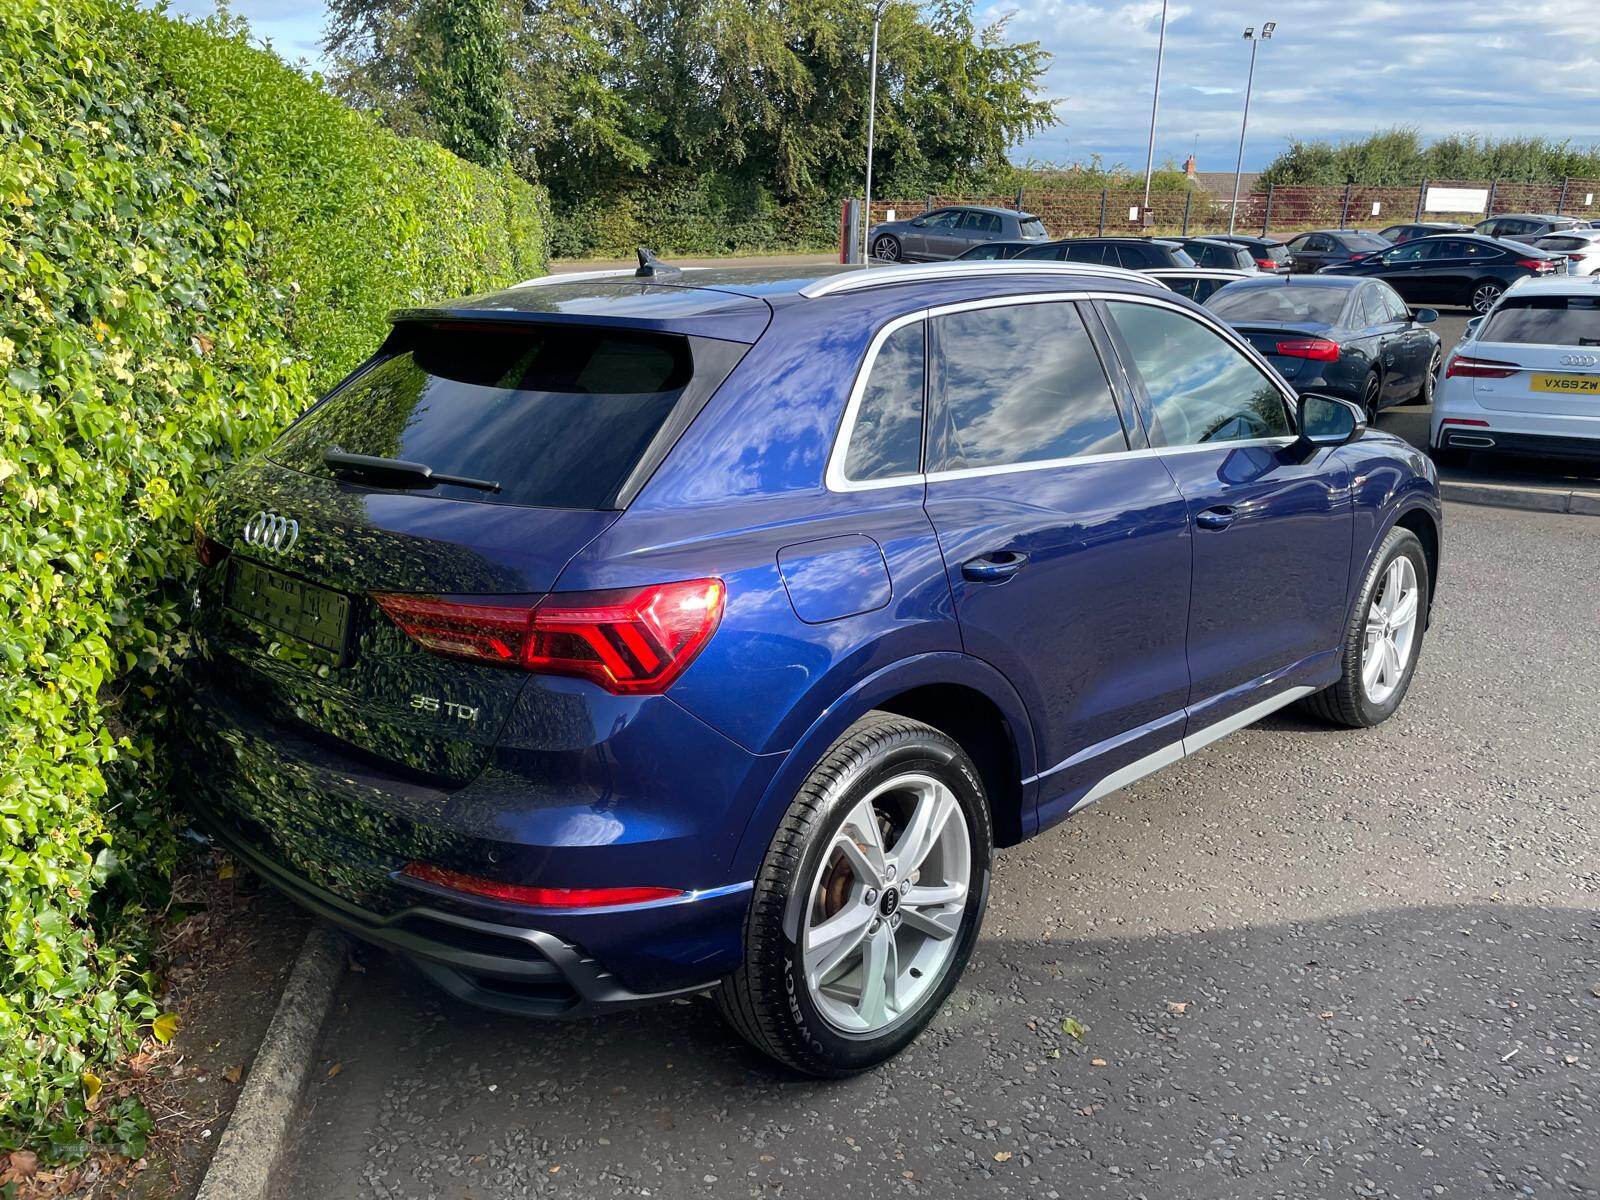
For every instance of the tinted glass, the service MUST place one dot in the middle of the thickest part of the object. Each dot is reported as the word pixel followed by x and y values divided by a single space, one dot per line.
pixel 1546 321
pixel 558 415
pixel 1412 251
pixel 1020 384
pixel 1462 248
pixel 1197 290
pixel 1563 243
pixel 1202 388
pixel 1046 252
pixel 1364 242
pixel 1177 257
pixel 887 439
pixel 1318 242
pixel 1369 309
pixel 943 219
pixel 1392 306
pixel 1284 302
pixel 1091 252
pixel 1032 227
pixel 992 250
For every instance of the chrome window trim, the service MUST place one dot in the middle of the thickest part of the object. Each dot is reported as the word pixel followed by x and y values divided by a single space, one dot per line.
pixel 835 479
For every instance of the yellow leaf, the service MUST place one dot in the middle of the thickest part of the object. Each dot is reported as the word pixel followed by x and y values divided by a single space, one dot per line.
pixel 91 1087
pixel 1002 1156
pixel 164 1026
pixel 335 1069
pixel 225 871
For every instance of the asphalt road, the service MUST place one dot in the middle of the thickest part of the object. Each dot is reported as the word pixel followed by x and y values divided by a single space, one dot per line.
pixel 1312 962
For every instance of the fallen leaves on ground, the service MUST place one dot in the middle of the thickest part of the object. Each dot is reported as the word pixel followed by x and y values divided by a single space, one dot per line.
pixel 164 1026
pixel 1074 1028
pixel 335 1069
pixel 233 1074
pixel 1178 1006
pixel 1002 1156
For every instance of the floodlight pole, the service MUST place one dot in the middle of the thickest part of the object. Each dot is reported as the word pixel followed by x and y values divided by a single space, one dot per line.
pixel 1155 106
pixel 1255 40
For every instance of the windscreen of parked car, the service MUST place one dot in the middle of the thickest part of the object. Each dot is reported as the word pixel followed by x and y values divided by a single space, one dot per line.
pixel 1291 303
pixel 1545 321
pixel 558 415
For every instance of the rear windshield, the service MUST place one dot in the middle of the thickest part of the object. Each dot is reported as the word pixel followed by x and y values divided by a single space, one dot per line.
pixel 1366 241
pixel 1563 243
pixel 1032 227
pixel 1290 303
pixel 1278 252
pixel 1546 321
pixel 558 415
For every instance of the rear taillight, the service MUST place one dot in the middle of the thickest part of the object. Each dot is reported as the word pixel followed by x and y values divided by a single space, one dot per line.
pixel 1540 265
pixel 1266 264
pixel 1463 366
pixel 633 641
pixel 207 549
pixel 1317 349
pixel 1465 421
pixel 539 897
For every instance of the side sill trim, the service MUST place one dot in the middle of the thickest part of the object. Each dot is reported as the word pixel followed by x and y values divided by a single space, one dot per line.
pixel 1166 755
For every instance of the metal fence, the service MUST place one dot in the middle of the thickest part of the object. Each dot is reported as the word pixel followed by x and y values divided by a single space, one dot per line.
pixel 1275 210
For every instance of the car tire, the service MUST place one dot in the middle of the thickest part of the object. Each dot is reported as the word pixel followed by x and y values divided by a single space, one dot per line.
pixel 1430 380
pixel 1372 398
pixel 887 247
pixel 1484 294
pixel 1355 700
pixel 790 997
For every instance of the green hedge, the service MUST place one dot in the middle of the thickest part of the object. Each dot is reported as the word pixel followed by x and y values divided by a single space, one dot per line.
pixel 193 239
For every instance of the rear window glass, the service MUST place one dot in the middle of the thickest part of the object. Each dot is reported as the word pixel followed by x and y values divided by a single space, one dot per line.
pixel 1563 243
pixel 1362 241
pixel 887 439
pixel 558 415
pixel 1289 302
pixel 1032 228
pixel 1546 321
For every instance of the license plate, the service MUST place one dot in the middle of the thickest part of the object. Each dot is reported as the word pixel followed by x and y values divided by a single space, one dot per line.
pixel 1580 385
pixel 309 612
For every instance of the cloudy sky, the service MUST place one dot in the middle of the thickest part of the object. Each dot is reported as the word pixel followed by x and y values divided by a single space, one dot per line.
pixel 1334 68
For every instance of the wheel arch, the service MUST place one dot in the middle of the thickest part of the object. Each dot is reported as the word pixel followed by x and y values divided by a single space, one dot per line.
pixel 958 694
pixel 1425 525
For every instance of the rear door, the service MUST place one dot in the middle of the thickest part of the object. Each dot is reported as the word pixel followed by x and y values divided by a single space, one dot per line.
pixel 1271 535
pixel 1407 269
pixel 1553 344
pixel 1067 555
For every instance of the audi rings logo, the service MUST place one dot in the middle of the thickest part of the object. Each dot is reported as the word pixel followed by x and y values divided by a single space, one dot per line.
pixel 269 531
pixel 1580 360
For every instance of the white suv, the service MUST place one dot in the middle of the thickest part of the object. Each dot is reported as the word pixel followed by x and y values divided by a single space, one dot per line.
pixel 1526 377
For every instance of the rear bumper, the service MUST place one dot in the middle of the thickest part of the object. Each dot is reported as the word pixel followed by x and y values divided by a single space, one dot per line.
pixel 507 968
pixel 1508 431
pixel 1466 437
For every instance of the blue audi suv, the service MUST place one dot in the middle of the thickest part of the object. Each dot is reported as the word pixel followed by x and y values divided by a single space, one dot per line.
pixel 614 638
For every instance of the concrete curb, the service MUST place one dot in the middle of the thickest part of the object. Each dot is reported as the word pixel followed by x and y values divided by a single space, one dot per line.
pixel 1503 495
pixel 253 1143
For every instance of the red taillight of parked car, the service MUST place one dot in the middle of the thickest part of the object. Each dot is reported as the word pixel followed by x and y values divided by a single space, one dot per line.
pixel 1266 264
pixel 1542 265
pixel 536 897
pixel 1466 367
pixel 1316 349
pixel 632 641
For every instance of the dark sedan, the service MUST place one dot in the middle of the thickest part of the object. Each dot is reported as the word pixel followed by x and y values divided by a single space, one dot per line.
pixel 1323 247
pixel 995 250
pixel 1466 270
pixel 1134 253
pixel 1421 229
pixel 1225 256
pixel 1352 338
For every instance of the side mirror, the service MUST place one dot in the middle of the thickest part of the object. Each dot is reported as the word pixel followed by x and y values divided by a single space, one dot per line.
pixel 919 222
pixel 1329 421
pixel 1472 328
pixel 1426 316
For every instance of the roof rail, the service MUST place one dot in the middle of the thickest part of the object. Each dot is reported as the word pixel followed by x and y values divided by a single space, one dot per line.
pixel 887 275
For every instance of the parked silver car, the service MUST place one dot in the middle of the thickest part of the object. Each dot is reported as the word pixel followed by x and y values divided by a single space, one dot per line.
pixel 950 232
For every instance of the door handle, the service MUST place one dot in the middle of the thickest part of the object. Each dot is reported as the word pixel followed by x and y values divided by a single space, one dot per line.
pixel 1215 518
pixel 994 568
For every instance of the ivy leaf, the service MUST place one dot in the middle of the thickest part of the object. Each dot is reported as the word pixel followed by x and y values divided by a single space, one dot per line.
pixel 164 1026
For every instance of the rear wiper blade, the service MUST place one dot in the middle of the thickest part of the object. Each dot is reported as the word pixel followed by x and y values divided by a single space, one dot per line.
pixel 397 473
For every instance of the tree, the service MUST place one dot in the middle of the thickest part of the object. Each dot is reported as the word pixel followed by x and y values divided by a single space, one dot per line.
pixel 463 68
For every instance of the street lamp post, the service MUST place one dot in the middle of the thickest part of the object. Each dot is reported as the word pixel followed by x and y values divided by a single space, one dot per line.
pixel 1155 105
pixel 872 116
pixel 1254 39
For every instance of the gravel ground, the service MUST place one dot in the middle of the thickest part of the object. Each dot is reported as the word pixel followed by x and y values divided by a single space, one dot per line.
pixel 1311 962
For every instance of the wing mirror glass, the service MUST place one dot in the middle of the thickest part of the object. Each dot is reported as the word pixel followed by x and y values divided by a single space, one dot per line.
pixel 1329 421
pixel 1426 316
pixel 919 222
pixel 1473 326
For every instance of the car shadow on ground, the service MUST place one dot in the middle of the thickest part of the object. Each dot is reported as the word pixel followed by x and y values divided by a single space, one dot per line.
pixel 1414 1051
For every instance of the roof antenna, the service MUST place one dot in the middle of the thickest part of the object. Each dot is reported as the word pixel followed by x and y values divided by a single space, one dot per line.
pixel 651 267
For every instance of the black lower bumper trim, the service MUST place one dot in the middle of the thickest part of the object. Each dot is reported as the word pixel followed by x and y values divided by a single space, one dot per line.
pixel 1490 441
pixel 506 968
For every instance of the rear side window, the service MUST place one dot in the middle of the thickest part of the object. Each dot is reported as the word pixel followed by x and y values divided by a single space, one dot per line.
pixel 1019 384
pixel 1033 228
pixel 559 415
pixel 887 438
pixel 1545 321
pixel 1201 387
pixel 1091 252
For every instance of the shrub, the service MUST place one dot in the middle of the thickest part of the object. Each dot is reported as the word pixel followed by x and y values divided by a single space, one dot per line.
pixel 193 239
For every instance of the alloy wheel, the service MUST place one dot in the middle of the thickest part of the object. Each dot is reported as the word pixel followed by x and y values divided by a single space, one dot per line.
pixel 886 248
pixel 1431 380
pixel 1484 296
pixel 1391 631
pixel 887 904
